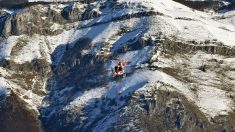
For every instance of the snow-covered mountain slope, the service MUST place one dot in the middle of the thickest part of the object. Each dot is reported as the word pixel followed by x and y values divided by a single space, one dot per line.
pixel 180 65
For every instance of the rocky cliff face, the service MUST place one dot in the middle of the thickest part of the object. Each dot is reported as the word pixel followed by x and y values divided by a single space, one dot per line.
pixel 15 116
pixel 17 3
pixel 34 19
pixel 56 60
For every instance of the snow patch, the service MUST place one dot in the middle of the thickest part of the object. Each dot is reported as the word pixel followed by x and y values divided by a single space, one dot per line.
pixel 7 45
pixel 84 98
pixel 214 101
pixel 55 27
pixel 3 86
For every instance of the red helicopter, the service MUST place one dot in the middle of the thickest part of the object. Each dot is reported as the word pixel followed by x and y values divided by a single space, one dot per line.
pixel 119 69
